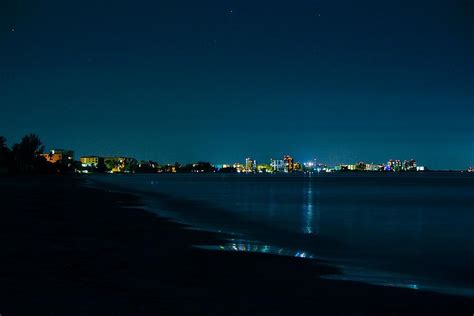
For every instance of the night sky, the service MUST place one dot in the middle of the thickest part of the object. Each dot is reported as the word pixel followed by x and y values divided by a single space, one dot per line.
pixel 342 81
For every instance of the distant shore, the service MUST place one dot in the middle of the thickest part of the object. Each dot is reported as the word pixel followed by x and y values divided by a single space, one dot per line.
pixel 72 250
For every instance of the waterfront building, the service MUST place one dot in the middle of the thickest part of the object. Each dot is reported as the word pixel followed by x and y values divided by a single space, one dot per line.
pixel 360 166
pixel 120 164
pixel 394 165
pixel 90 161
pixel 288 163
pixel 250 165
pixel 264 168
pixel 398 165
pixel 169 168
pixel 373 167
pixel 62 156
pixel 409 165
pixel 277 165
pixel 351 167
pixel 309 166
pixel 297 166
pixel 239 167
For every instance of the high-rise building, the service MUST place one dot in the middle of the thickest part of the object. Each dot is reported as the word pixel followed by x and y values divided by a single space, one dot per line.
pixel 250 165
pixel 277 165
pixel 288 163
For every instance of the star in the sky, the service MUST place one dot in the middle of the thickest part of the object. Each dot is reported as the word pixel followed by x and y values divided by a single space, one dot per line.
pixel 12 29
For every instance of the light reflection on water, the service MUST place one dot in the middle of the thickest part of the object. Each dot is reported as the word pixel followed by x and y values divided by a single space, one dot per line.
pixel 248 246
pixel 416 225
pixel 375 277
pixel 311 210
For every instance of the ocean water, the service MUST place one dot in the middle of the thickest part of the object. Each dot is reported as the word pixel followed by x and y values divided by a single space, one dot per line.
pixel 406 230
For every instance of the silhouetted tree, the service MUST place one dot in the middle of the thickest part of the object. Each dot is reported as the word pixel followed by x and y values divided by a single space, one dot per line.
pixel 101 165
pixel 199 167
pixel 110 164
pixel 26 155
pixel 130 165
pixel 4 155
pixel 147 167
pixel 3 142
pixel 228 170
pixel 360 166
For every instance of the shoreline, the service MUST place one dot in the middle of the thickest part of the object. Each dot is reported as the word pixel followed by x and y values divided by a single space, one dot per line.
pixel 70 249
pixel 252 236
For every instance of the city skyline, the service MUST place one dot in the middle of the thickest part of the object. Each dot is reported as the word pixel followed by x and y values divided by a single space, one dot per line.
pixel 216 81
pixel 285 164
pixel 50 156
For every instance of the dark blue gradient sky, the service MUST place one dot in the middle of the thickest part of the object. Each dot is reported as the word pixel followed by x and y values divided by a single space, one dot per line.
pixel 222 80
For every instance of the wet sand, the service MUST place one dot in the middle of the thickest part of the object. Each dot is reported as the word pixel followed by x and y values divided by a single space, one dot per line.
pixel 67 249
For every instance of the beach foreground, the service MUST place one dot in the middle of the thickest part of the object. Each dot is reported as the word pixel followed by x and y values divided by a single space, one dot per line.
pixel 72 250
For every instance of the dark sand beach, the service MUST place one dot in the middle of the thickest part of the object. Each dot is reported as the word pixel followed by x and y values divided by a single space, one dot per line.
pixel 67 249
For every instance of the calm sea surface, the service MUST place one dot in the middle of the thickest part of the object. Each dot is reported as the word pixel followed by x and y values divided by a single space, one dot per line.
pixel 408 230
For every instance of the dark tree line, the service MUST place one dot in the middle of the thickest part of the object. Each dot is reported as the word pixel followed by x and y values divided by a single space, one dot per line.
pixel 200 167
pixel 24 157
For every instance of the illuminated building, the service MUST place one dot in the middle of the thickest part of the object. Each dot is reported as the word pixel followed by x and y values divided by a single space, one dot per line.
pixel 409 165
pixel 346 167
pixel 373 167
pixel 297 166
pixel 120 164
pixel 390 163
pixel 263 168
pixel 361 166
pixel 309 166
pixel 393 165
pixel 65 157
pixel 288 163
pixel 398 165
pixel 250 165
pixel 277 165
pixel 52 157
pixel 170 168
pixel 239 167
pixel 90 161
pixel 114 164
